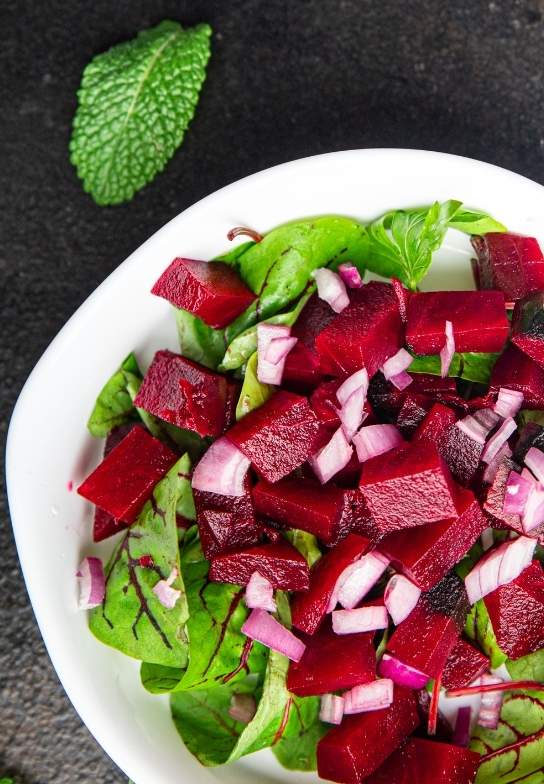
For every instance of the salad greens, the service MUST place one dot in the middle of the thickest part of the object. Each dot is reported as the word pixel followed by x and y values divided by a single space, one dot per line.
pixel 468 366
pixel 198 341
pixel 114 405
pixel 254 393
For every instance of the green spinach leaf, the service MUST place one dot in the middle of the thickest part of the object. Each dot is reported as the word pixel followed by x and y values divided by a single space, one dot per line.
pixel 474 222
pixel 233 255
pixel 198 341
pixel 470 366
pixel 114 406
pixel 305 543
pixel 253 393
pixel 131 618
pixel 479 628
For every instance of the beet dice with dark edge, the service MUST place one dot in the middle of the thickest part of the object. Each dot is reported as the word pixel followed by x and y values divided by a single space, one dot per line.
pixel 465 663
pixel 302 365
pixel 528 326
pixel 422 761
pixel 280 563
pixel 511 263
pixel 515 370
pixel 226 522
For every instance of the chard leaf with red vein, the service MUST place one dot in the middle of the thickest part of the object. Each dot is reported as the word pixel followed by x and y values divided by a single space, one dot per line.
pixel 131 618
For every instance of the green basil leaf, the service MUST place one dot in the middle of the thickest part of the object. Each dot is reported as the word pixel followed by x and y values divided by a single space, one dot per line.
pixel 305 543
pixel 131 618
pixel 198 341
pixel 469 366
pixel 253 393
pixel 475 222
pixel 480 629
pixel 113 406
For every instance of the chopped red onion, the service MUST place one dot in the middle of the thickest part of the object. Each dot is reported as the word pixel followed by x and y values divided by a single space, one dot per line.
pixel 516 493
pixel 278 348
pixel 374 440
pixel 400 597
pixel 401 674
pixel 268 371
pixel 461 733
pixel 351 384
pixel 448 350
pixel 490 709
pixel 358 578
pixel 222 469
pixel 92 583
pixel 487 418
pixel 474 428
pixel 331 458
pixel 260 593
pixel 331 288
pixel 362 619
pixel 164 592
pixel 332 709
pixel 498 439
pixel 401 380
pixel 534 460
pixel 369 696
pixel 509 402
pixel 499 566
pixel 267 630
pixel 533 512
pixel 492 468
pixel 350 275
pixel 396 364
pixel 242 708
pixel 352 413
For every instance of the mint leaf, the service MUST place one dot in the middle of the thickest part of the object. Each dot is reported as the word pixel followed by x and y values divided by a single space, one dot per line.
pixel 198 341
pixel 475 222
pixel 253 393
pixel 135 103
pixel 469 366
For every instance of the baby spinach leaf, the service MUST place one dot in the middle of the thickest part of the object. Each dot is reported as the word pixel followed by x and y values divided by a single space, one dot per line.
pixel 233 255
pixel 253 393
pixel 480 629
pixel 113 405
pixel 469 366
pixel 131 618
pixel 474 222
pixel 305 543
pixel 198 341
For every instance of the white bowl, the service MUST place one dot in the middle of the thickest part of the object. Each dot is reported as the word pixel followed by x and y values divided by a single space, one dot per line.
pixel 48 445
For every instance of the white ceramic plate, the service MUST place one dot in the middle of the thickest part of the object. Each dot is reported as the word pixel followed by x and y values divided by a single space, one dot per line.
pixel 48 445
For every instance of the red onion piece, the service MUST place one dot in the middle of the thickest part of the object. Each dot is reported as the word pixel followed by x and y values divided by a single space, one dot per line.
pixel 534 460
pixel 331 288
pixel 352 413
pixel 492 468
pixel 332 709
pixel 369 696
pixel 278 348
pixel 509 402
pixel 242 708
pixel 375 440
pixel 487 418
pixel 351 384
pixel 473 428
pixel 499 566
pixel 448 350
pixel 396 364
pixel 221 470
pixel 331 458
pixel 358 578
pixel 164 592
pixel 92 583
pixel 267 630
pixel 362 619
pixel 490 709
pixel 516 493
pixel 269 372
pixel 260 593
pixel 401 674
pixel 401 380
pixel 533 512
pixel 498 439
pixel 400 597
pixel 350 275
pixel 461 733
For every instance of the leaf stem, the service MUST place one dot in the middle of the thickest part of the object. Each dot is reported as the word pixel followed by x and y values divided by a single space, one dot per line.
pixel 489 687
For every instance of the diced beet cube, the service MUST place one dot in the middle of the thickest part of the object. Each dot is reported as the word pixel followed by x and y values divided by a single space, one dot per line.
pixel 225 522
pixel 388 400
pixel 515 370
pixel 303 366
pixel 211 290
pixel 465 663
pixel 429 311
pixel 186 394
pixel 365 334
pixel 309 609
pixel 281 564
pixel 302 369
pixel 348 476
pixel 517 612
pixel 331 662
pixel 427 636
pixel 509 262
pixel 278 436
pixel 412 413
pixel 325 405
pixel 105 524
pixel 528 326
pixel 435 427
pixel 322 510
pixel 427 553
pixel 462 455
pixel 354 750
pixel 494 499
pixel 125 479
pixel 408 486
pixel 422 761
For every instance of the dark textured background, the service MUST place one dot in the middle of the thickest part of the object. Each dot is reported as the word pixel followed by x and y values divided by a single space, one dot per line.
pixel 286 79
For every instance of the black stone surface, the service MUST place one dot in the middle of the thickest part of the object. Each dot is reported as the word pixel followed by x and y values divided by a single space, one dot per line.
pixel 286 79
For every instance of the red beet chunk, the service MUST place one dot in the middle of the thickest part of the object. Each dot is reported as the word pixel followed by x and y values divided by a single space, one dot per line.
pixel 517 612
pixel 528 326
pixel 426 638
pixel 225 522
pixel 412 413
pixel 408 486
pixel 429 311
pixel 105 524
pixel 210 290
pixel 515 370
pixel 354 750
pixel 303 366
pixel 279 436
pixel 435 427
pixel 125 479
pixel 427 553
pixel 365 334
pixel 462 455
pixel 509 262
pixel 464 665
pixel 302 369
pixel 322 510
pixel 281 564
pixel 331 662
pixel 309 609
pixel 388 400
pixel 422 761
pixel 186 394
pixel 325 405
